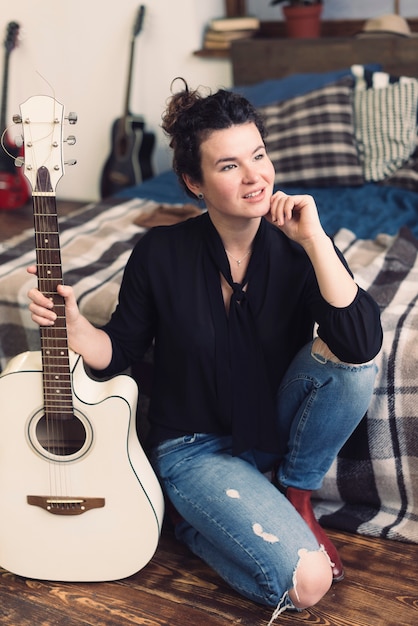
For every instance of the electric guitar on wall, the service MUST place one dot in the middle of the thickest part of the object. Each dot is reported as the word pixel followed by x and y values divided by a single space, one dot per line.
pixel 129 162
pixel 79 499
pixel 14 190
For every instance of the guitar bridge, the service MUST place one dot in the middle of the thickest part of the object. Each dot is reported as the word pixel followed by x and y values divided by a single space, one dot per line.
pixel 65 505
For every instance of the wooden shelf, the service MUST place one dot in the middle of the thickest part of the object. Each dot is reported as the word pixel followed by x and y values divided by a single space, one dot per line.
pixel 329 28
pixel 255 60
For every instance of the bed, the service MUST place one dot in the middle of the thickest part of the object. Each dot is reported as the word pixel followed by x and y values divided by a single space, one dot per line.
pixel 371 211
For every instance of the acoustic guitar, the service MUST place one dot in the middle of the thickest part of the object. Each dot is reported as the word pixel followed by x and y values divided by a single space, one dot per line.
pixel 14 190
pixel 79 499
pixel 129 162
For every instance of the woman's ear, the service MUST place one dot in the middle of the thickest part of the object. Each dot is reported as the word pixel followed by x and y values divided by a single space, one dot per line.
pixel 191 185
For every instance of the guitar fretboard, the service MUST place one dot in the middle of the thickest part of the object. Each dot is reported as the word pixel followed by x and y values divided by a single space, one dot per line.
pixel 54 342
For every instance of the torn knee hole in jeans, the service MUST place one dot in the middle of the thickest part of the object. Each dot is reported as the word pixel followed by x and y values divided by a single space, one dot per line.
pixel 301 553
pixel 285 602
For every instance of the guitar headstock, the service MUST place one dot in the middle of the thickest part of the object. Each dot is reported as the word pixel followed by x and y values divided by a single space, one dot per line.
pixel 139 20
pixel 42 123
pixel 12 33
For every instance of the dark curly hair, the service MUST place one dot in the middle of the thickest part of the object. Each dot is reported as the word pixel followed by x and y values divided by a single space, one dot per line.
pixel 191 117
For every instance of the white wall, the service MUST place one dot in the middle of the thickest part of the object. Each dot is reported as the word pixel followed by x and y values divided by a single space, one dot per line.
pixel 78 51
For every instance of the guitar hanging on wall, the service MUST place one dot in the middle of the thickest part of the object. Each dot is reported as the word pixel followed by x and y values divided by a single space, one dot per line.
pixel 129 162
pixel 80 501
pixel 14 190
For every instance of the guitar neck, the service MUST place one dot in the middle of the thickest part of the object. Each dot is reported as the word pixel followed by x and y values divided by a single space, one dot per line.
pixel 9 44
pixel 129 82
pixel 136 30
pixel 54 341
pixel 4 92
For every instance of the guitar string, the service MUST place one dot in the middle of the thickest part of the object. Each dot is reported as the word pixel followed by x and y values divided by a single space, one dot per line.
pixel 54 428
pixel 8 128
pixel 29 143
pixel 3 143
pixel 39 208
pixel 64 475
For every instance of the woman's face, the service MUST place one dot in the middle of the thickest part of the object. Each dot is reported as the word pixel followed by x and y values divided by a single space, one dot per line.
pixel 238 176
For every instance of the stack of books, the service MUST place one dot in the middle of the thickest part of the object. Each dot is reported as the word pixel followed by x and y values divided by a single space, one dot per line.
pixel 222 31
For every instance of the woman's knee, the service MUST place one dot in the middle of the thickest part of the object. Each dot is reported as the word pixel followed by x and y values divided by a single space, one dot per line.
pixel 347 378
pixel 312 578
pixel 320 350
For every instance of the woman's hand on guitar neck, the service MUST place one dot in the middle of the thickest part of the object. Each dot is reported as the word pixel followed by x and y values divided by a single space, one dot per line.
pixel 91 343
pixel 42 308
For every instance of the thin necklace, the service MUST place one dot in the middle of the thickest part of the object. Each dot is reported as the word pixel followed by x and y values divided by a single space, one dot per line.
pixel 238 261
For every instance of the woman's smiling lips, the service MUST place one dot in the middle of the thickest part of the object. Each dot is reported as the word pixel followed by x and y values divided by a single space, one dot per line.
pixel 254 194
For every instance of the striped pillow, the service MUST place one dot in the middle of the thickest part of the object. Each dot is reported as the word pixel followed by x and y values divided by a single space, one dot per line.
pixel 310 138
pixel 386 123
pixel 405 177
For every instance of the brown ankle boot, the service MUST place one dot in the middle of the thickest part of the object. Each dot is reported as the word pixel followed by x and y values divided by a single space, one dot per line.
pixel 301 500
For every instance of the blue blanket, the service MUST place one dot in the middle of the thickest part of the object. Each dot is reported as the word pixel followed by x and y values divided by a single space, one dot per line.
pixel 366 211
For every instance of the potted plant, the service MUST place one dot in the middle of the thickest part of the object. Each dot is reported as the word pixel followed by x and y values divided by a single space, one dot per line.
pixel 303 17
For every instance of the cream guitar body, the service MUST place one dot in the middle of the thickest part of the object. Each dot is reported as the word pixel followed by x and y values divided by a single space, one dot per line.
pixel 79 499
pixel 53 538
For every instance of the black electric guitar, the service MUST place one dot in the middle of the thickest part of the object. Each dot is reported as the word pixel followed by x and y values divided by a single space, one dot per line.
pixel 14 190
pixel 129 162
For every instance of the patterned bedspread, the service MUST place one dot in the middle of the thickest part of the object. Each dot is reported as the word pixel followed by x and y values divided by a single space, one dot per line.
pixel 372 488
pixel 95 246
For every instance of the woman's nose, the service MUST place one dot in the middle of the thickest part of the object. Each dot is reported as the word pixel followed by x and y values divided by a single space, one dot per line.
pixel 250 174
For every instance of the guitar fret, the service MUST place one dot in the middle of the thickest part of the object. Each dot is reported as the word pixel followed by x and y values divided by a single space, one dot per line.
pixel 54 385
pixel 55 349
pixel 66 397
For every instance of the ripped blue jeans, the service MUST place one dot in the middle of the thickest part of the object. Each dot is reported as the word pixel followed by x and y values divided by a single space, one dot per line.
pixel 233 517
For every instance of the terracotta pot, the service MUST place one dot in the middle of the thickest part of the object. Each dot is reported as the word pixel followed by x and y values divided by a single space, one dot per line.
pixel 303 22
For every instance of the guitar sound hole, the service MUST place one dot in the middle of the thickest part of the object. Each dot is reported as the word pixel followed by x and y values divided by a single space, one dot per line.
pixel 61 437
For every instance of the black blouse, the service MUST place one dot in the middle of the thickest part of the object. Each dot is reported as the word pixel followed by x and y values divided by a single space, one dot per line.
pixel 216 372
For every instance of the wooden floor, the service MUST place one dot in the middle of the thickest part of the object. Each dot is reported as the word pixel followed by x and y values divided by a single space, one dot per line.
pixel 177 589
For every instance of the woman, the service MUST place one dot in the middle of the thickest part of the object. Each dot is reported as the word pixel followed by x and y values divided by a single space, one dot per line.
pixel 230 300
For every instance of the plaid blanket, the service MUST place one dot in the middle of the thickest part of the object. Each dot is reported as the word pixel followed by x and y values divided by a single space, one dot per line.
pixel 96 242
pixel 372 488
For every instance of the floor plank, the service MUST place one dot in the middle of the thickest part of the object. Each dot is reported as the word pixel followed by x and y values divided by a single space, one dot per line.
pixel 176 588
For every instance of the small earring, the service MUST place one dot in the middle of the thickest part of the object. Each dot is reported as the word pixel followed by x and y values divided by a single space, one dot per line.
pixel 200 196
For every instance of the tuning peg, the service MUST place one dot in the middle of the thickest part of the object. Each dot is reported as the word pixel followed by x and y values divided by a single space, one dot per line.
pixel 70 140
pixel 70 162
pixel 72 117
pixel 17 118
pixel 19 162
pixel 18 141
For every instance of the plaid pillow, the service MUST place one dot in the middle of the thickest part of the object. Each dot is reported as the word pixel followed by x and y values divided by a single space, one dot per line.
pixel 405 177
pixel 386 122
pixel 311 138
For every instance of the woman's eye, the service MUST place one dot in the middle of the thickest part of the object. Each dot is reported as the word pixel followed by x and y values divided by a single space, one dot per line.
pixel 259 156
pixel 228 167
